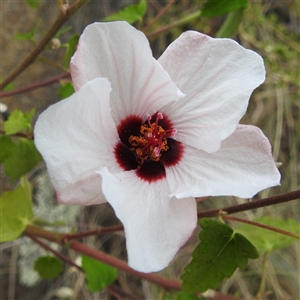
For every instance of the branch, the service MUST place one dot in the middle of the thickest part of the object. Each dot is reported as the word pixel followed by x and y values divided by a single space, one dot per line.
pixel 34 86
pixel 62 18
pixel 252 205
pixel 101 256
pixel 290 234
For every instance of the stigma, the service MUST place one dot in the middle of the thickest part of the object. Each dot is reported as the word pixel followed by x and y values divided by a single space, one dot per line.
pixel 151 141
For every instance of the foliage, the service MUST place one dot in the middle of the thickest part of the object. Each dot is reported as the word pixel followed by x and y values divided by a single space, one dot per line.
pixel 17 206
pixel 220 252
pixel 214 8
pixel 48 267
pixel 98 274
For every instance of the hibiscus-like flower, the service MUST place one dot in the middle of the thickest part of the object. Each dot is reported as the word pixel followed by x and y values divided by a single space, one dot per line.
pixel 151 135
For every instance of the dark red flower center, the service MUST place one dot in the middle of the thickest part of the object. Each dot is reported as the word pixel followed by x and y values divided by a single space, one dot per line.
pixel 147 147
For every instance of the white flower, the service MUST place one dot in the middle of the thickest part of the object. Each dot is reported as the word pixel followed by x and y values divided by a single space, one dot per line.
pixel 150 135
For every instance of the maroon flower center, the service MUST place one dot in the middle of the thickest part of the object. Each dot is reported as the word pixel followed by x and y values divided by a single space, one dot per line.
pixel 147 147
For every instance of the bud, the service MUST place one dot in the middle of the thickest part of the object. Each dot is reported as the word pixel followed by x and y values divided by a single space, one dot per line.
pixel 55 43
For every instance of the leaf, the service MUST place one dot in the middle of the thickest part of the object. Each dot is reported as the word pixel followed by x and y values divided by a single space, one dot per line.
pixel 33 3
pixel 214 8
pixel 7 147
pixel 18 121
pixel 28 35
pixel 16 211
pixel 131 13
pixel 66 90
pixel 48 266
pixel 24 157
pixel 188 296
pixel 266 240
pixel 98 274
pixel 71 48
pixel 219 253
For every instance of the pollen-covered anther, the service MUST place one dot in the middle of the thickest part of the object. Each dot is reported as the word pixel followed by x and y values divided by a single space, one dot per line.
pixel 152 140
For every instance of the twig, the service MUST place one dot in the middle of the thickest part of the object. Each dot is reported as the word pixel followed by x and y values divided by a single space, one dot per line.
pixel 290 234
pixel 159 15
pixel 99 255
pixel 19 134
pixel 252 205
pixel 73 236
pixel 182 21
pixel 34 86
pixel 62 18
pixel 56 253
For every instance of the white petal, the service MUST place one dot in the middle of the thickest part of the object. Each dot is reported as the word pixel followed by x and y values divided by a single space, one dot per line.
pixel 156 226
pixel 218 77
pixel 76 137
pixel 242 167
pixel 121 53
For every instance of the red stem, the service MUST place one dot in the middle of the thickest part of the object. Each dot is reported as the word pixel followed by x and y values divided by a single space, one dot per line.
pixel 58 254
pixel 252 205
pixel 34 86
pixel 290 234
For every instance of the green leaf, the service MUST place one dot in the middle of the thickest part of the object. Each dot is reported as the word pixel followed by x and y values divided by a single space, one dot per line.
pixel 7 147
pixel 188 296
pixel 219 253
pixel 131 13
pixel 66 90
pixel 8 87
pixel 71 48
pixel 33 3
pixel 214 8
pixel 16 211
pixel 28 35
pixel 24 157
pixel 266 240
pixel 98 274
pixel 18 121
pixel 231 24
pixel 48 267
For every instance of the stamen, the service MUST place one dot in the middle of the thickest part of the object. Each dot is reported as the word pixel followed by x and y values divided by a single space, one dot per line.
pixel 152 140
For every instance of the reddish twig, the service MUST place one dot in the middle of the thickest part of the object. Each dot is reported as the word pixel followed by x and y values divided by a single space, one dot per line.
pixel 56 253
pixel 159 15
pixel 252 205
pixel 34 86
pixel 19 134
pixel 62 18
pixel 290 234
pixel 73 236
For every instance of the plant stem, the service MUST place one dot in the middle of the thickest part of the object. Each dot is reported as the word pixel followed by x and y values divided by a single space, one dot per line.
pixel 159 15
pixel 98 255
pixel 290 234
pixel 62 18
pixel 73 236
pixel 252 205
pixel 262 284
pixel 56 253
pixel 34 86
pixel 182 21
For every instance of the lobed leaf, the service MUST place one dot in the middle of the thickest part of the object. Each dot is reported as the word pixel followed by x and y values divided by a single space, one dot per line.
pixel 219 253
pixel 266 240
pixel 23 158
pixel 98 274
pixel 214 8
pixel 16 211
pixel 7 147
pixel 18 121
pixel 48 266
pixel 131 13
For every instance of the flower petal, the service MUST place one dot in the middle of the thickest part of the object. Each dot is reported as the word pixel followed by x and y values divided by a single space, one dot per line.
pixel 156 226
pixel 218 77
pixel 242 167
pixel 76 137
pixel 122 54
